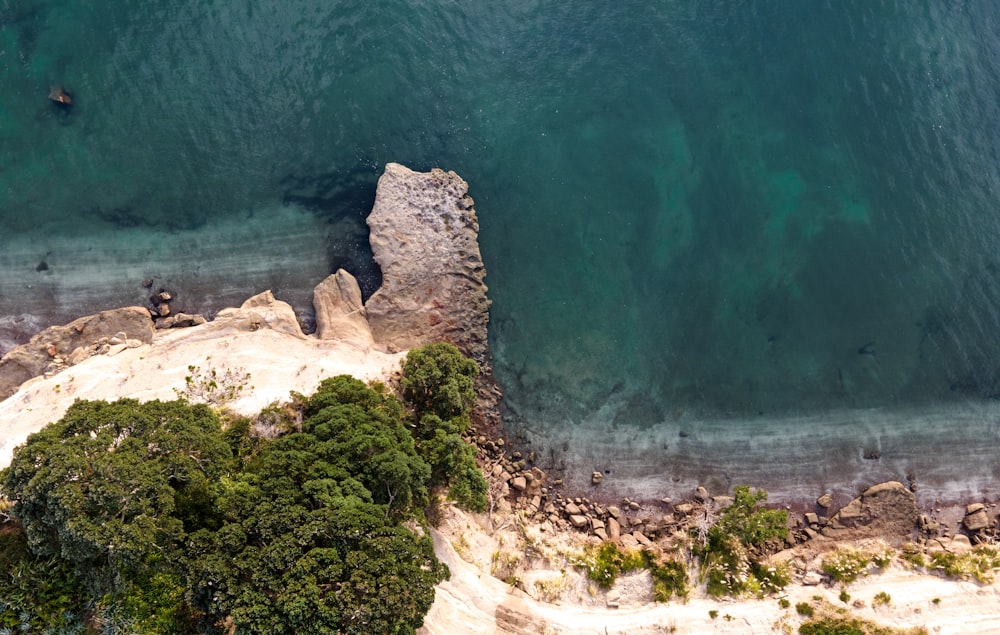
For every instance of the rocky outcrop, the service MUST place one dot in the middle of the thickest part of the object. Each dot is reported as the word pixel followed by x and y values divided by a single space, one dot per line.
pixel 54 347
pixel 340 312
pixel 424 236
pixel 260 311
pixel 883 510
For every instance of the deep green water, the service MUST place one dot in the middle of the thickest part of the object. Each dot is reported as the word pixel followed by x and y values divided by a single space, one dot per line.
pixel 729 209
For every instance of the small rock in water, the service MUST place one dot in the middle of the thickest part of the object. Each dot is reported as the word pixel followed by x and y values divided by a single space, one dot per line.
pixel 42 266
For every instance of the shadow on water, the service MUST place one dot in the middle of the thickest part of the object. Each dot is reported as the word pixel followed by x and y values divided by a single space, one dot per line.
pixel 343 200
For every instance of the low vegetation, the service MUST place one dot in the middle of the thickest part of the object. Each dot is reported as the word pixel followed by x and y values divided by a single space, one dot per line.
pixel 735 549
pixel 824 619
pixel 847 564
pixel 980 564
pixel 163 517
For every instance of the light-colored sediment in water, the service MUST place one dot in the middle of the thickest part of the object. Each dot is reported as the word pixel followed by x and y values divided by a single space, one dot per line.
pixel 84 271
pixel 948 450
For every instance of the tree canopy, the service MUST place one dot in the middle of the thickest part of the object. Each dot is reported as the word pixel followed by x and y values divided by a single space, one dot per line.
pixel 164 518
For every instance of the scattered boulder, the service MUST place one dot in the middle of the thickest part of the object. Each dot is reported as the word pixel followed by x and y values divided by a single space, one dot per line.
pixel 613 599
pixel 976 518
pixel 596 478
pixel 60 96
pixel 260 311
pixel 614 530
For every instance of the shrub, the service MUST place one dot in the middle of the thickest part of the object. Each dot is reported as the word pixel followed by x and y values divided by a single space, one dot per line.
pixel 731 560
pixel 846 565
pixel 604 563
pixel 669 577
pixel 980 564
pixel 881 598
pixel 804 608
pixel 438 379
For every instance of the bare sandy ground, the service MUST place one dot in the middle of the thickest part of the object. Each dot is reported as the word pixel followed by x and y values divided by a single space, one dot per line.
pixel 277 363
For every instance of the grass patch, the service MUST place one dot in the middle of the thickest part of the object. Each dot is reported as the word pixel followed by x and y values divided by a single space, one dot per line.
pixel 606 562
pixel 826 619
pixel 980 564
pixel 846 565
pixel 670 577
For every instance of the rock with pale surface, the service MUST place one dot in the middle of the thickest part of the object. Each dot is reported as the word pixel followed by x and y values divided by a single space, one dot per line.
pixel 340 313
pixel 424 236
pixel 32 359
pixel 884 510
pixel 259 312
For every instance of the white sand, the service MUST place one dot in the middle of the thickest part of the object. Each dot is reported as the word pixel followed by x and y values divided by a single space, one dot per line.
pixel 278 363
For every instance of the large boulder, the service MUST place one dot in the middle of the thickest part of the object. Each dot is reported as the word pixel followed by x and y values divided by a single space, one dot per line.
pixel 424 236
pixel 54 346
pixel 259 312
pixel 888 510
pixel 340 312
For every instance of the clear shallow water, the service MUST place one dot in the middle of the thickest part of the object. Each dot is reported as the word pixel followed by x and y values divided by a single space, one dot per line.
pixel 743 212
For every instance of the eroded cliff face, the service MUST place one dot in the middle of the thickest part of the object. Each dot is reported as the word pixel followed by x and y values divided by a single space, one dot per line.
pixel 424 236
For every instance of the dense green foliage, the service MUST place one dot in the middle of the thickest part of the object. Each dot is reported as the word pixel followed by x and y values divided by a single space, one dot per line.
pixel 156 518
pixel 732 559
pixel 605 562
pixel 438 379
pixel 103 488
pixel 670 577
pixel 439 384
pixel 38 594
pixel 309 540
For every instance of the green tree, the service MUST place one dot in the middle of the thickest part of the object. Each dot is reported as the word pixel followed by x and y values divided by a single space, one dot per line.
pixel 306 547
pixel 438 379
pixel 99 488
pixel 748 523
pixel 438 384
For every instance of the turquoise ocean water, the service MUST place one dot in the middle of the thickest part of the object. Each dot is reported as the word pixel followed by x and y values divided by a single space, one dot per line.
pixel 689 210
